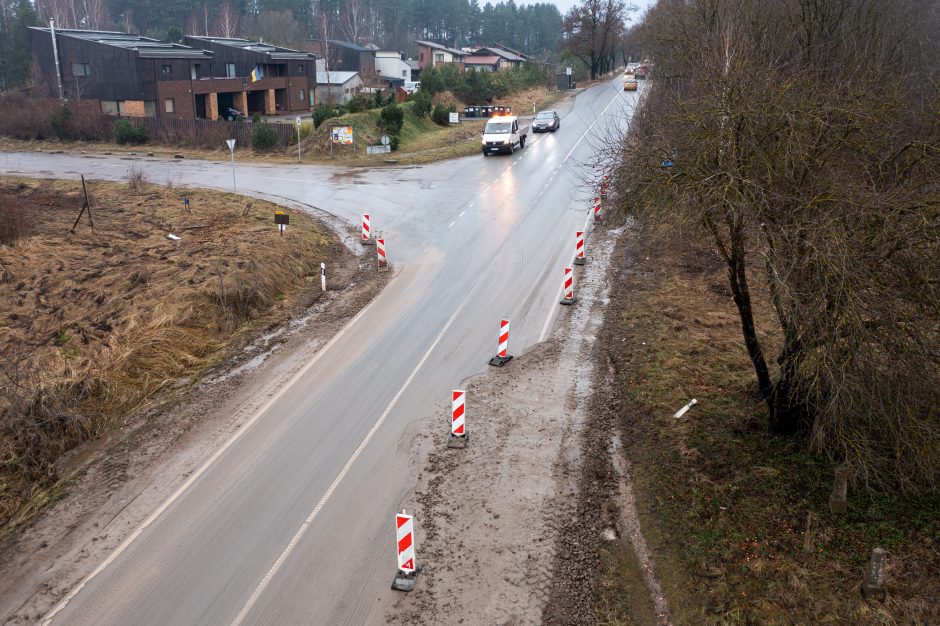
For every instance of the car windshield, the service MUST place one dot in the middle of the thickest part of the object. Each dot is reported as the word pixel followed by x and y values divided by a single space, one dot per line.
pixel 498 128
pixel 545 115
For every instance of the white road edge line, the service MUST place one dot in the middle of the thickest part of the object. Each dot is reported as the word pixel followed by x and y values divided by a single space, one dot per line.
pixel 195 475
pixel 462 213
pixel 590 127
pixel 452 224
pixel 554 307
pixel 342 474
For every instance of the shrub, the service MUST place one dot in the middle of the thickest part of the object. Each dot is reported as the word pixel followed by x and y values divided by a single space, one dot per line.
pixel 360 102
pixel 126 132
pixel 60 121
pixel 422 100
pixel 391 119
pixel 256 118
pixel 441 114
pixel 14 223
pixel 264 137
pixel 394 142
pixel 136 179
pixel 321 113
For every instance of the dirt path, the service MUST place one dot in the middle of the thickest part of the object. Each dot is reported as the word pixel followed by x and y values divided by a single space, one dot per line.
pixel 119 481
pixel 499 524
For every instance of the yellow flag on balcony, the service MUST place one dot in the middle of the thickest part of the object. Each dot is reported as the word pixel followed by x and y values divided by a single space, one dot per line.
pixel 256 74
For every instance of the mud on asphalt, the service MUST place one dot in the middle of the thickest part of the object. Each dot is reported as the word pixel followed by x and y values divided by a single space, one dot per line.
pixel 508 528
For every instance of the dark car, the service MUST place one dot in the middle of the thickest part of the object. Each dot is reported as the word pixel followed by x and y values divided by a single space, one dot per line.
pixel 546 121
pixel 231 114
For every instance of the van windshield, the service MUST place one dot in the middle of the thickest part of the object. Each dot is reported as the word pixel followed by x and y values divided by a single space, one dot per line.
pixel 498 128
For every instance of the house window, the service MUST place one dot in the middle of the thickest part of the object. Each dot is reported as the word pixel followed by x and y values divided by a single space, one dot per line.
pixel 404 73
pixel 421 57
pixel 194 71
pixel 438 57
pixel 300 68
pixel 81 69
pixel 230 70
pixel 300 94
pixel 311 95
pixel 167 69
pixel 168 105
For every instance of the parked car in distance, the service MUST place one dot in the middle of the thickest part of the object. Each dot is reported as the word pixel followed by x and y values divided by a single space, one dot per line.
pixel 630 84
pixel 546 121
pixel 232 114
pixel 411 86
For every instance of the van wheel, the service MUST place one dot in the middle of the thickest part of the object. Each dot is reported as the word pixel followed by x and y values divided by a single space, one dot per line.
pixel 522 143
pixel 512 148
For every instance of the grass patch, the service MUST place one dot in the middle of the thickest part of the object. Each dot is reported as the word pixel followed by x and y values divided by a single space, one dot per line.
pixel 738 518
pixel 94 323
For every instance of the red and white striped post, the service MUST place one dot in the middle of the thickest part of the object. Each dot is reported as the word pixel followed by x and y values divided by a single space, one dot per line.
pixel 502 355
pixel 597 211
pixel 459 433
pixel 405 541
pixel 367 230
pixel 579 258
pixel 568 287
pixel 380 254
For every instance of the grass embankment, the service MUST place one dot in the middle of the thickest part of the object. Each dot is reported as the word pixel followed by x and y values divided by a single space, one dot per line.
pixel 95 323
pixel 739 519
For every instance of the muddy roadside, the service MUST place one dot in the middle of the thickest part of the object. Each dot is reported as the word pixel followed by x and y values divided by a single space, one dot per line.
pixel 115 482
pixel 507 529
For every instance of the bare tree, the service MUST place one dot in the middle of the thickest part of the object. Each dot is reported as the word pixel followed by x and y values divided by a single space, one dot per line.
pixel 355 19
pixel 227 22
pixel 592 31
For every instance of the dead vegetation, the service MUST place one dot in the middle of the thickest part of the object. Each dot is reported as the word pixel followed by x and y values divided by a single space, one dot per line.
pixel 738 517
pixel 95 322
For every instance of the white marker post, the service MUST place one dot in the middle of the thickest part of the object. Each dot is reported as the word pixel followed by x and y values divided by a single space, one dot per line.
pixel 298 123
pixel 231 148
pixel 685 409
pixel 459 433
pixel 323 276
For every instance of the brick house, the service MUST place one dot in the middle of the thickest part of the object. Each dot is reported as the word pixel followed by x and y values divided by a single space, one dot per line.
pixel 125 74
pixel 285 80
pixel 434 54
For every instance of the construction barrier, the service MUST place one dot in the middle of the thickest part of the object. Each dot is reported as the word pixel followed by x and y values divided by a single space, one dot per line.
pixel 579 258
pixel 380 254
pixel 568 287
pixel 405 541
pixel 458 428
pixel 502 355
pixel 366 230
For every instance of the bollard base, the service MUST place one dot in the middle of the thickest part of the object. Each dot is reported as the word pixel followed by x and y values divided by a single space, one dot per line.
pixel 459 441
pixel 367 242
pixel 383 268
pixel 499 361
pixel 568 301
pixel 580 260
pixel 405 581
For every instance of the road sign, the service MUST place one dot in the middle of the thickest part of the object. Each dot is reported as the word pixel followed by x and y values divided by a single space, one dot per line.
pixel 386 140
pixel 454 117
pixel 231 144
pixel 405 534
pixel 298 121
pixel 568 71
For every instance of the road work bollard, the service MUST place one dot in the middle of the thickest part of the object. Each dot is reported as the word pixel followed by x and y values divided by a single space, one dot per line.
pixel 459 434
pixel 502 355
pixel 579 258
pixel 323 276
pixel 366 239
pixel 408 570
pixel 568 287
pixel 380 254
pixel 597 211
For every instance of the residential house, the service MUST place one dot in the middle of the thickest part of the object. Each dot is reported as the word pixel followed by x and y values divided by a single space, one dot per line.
pixel 338 87
pixel 342 55
pixel 125 74
pixel 252 77
pixel 415 69
pixel 391 64
pixel 493 58
pixel 434 54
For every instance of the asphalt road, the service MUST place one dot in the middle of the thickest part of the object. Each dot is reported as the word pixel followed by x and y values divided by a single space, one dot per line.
pixel 291 521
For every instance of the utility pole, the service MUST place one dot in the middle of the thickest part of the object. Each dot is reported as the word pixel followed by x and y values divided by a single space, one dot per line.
pixel 55 54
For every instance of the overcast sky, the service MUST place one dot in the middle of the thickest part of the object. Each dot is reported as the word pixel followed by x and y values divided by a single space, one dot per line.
pixel 564 5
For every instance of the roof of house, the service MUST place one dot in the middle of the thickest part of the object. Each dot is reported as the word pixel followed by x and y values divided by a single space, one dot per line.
pixel 350 45
pixel 413 64
pixel 275 53
pixel 437 46
pixel 501 52
pixel 517 53
pixel 335 78
pixel 477 59
pixel 144 46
